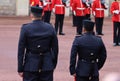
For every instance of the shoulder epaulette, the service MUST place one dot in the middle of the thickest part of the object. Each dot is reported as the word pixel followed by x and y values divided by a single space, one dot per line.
pixel 25 24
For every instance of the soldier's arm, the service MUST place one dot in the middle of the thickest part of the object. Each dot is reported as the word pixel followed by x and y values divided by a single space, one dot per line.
pixel 112 9
pixel 102 56
pixel 73 57
pixel 55 48
pixel 93 8
pixel 21 49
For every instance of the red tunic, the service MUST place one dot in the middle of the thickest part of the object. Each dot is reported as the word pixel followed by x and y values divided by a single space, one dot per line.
pixel 48 6
pixel 79 7
pixel 115 6
pixel 34 2
pixel 98 8
pixel 59 7
pixel 88 9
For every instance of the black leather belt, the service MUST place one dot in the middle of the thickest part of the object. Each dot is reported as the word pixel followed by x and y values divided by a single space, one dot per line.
pixel 89 61
pixel 36 52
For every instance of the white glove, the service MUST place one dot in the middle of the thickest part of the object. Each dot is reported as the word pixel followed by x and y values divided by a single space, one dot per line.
pixel 74 13
pixel 53 10
pixel 87 4
pixel 67 3
pixel 44 3
pixel 71 8
pixel 94 14
pixel 106 5
pixel 116 11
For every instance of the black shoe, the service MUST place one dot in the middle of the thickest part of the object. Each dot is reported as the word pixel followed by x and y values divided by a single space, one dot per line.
pixel 115 44
pixel 118 44
pixel 99 34
pixel 78 34
pixel 61 33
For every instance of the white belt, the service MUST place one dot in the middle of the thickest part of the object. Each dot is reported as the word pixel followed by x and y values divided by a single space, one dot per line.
pixel 48 2
pixel 59 5
pixel 99 9
pixel 80 8
pixel 41 6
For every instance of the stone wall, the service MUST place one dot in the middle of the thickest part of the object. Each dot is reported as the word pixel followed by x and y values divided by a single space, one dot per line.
pixel 22 8
pixel 7 7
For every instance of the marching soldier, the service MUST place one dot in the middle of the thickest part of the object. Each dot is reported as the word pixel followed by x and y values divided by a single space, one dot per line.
pixel 79 12
pixel 98 11
pixel 115 10
pixel 59 6
pixel 47 10
pixel 37 49
pixel 91 54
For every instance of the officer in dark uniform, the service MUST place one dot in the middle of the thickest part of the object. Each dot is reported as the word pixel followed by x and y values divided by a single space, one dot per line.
pixel 37 49
pixel 91 54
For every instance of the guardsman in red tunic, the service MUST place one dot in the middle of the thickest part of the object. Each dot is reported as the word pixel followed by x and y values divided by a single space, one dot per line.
pixel 88 9
pixel 34 2
pixel 47 10
pixel 98 11
pixel 59 6
pixel 79 12
pixel 115 10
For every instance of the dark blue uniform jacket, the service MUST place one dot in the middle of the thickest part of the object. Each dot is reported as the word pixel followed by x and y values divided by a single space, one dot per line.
pixel 37 39
pixel 91 54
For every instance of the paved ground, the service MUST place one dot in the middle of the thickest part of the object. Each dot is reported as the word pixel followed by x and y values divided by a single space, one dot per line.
pixel 9 33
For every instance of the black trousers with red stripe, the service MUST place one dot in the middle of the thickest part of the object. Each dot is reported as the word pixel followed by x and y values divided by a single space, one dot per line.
pixel 99 24
pixel 79 20
pixel 116 32
pixel 47 16
pixel 59 20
